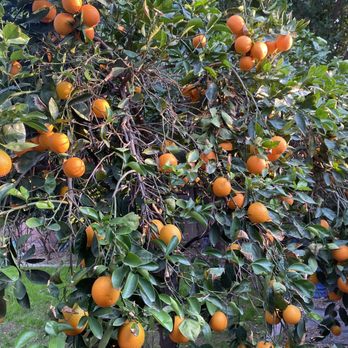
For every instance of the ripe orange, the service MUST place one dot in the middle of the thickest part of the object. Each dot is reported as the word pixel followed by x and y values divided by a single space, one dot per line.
pixel 16 68
pixel 272 318
pixel 343 286
pixel 73 316
pixel 49 128
pixel 284 42
pixel 89 234
pixel 103 293
pixel 242 345
pixel 44 140
pixel 264 344
pixel 333 296
pixel 101 108
pixel 236 201
pixel 59 143
pixel 325 224
pixel 288 199
pixel 340 254
pixel 218 321
pixel 64 24
pixel 243 44
pixel 89 34
pixel 313 278
pixel 192 92
pixel 157 225
pixel 72 6
pixel 206 157
pixel 236 24
pixel 90 15
pixel 39 4
pixel 273 156
pixel 335 330
pixel 167 232
pixel 256 165
pixel 74 167
pixel 271 47
pixel 63 191
pixel 176 336
pixel 291 314
pixel 281 147
pixel 227 146
pixel 64 89
pixel 259 50
pixel 221 187
pixel 167 159
pixel 246 63
pixel 138 89
pixel 131 335
pixel 199 41
pixel 5 163
pixel 258 213
pixel 233 246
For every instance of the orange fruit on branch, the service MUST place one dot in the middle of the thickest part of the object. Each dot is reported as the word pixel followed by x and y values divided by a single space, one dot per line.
pixel 259 51
pixel 40 4
pixel 340 254
pixel 272 318
pixel 5 163
pixel 256 165
pixel 284 42
pixel 273 156
pixel 292 314
pixel 336 330
pixel 258 213
pixel 333 296
pixel 15 68
pixel 264 344
pixel 243 44
pixel 59 143
pixel 246 63
pixel 167 159
pixel 199 41
pixel 157 225
pixel 235 24
pixel 342 285
pixel 44 140
pixel 63 191
pixel 227 146
pixel 131 335
pixel 236 201
pixel 206 157
pixel 287 199
pixel 64 89
pixel 221 187
pixel 90 15
pixel 218 321
pixel 72 6
pixel 325 224
pixel 100 108
pixel 103 293
pixel 74 167
pixel 72 316
pixel 271 47
pixel 167 232
pixel 313 278
pixel 64 24
pixel 88 34
pixel 176 336
pixel 281 146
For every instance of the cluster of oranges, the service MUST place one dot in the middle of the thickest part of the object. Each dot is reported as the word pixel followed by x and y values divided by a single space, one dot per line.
pixel 65 23
pixel 254 51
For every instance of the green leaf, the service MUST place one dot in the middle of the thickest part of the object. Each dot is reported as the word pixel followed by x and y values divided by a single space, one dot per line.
pixel 262 266
pixel 4 189
pixel 147 288
pixel 195 306
pixel 24 338
pixel 11 272
pixel 57 341
pixel 163 318
pixel 132 260
pixel 19 290
pixel 95 327
pixel 137 167
pixel 34 222
pixel 37 276
pixel 53 108
pixel 190 328
pixel 44 205
pixel 90 213
pixel 172 245
pixel 130 286
pixel 117 276
pixel 192 156
pixel 13 35
pixel 198 217
pixel 301 268
pixel 304 198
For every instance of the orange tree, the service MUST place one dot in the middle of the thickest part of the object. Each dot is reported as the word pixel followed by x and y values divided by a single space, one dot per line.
pixel 191 157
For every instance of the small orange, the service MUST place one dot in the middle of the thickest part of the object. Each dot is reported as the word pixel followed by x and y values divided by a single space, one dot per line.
pixel 206 157
pixel 131 335
pixel 291 314
pixel 227 146
pixel 236 201
pixel 39 4
pixel 176 336
pixel 243 44
pixel 340 254
pixel 284 42
pixel 258 213
pixel 16 68
pixel 63 191
pixel 325 224
pixel 271 47
pixel 218 321
pixel 333 296
pixel 5 163
pixel 281 146
pixel 49 129
pixel 343 286
pixel 336 330
pixel 246 63
pixel 233 247
pixel 256 165
pixel 90 235
pixel 74 167
pixel 103 293
pixel 90 15
pixel 235 24
pixel 273 156
pixel 64 89
pixel 199 41
pixel 138 89
pixel 259 51
pixel 59 143
pixel 287 199
pixel 88 34
pixel 167 232
pixel 157 225
pixel 64 24
pixel 221 187
pixel 101 108
pixel 72 6
pixel 167 159
pixel 44 140
pixel 72 316
pixel 313 278
pixel 264 344
pixel 272 318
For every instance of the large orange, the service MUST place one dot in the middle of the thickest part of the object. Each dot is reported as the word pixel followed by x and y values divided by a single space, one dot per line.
pixel 227 146
pixel 291 314
pixel 90 15
pixel 236 201
pixel 271 47
pixel 64 89
pixel 333 296
pixel 343 286
pixel 258 213
pixel 59 143
pixel 340 254
pixel 243 44
pixel 39 4
pixel 256 165
pixel 264 344
pixel 72 316
pixel 167 159
pixel 221 187
pixel 199 41
pixel 72 6
pixel 103 293
pixel 259 50
pixel 167 232
pixel 284 42
pixel 246 63
pixel 74 167
pixel 45 140
pixel 218 321
pixel 64 24
pixel 15 68
pixel 272 318
pixel 5 163
pixel 236 24
pixel 101 108
pixel 273 156
pixel 325 224
pixel 281 146
pixel 131 335
pixel 336 330
pixel 176 336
